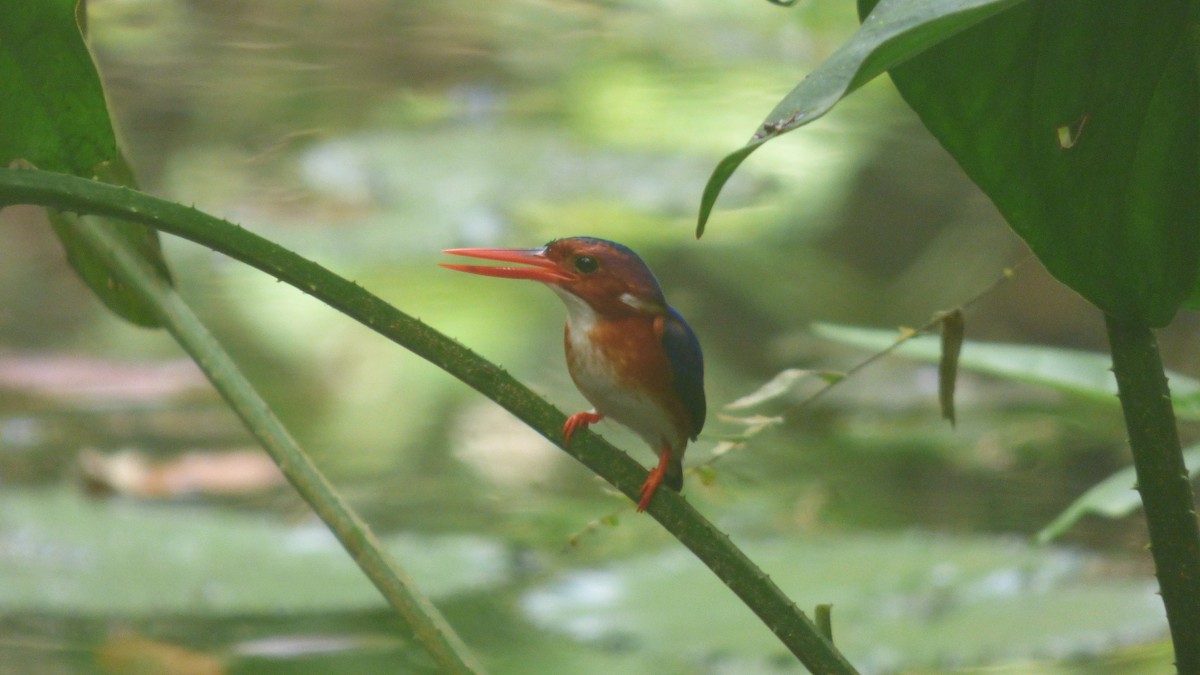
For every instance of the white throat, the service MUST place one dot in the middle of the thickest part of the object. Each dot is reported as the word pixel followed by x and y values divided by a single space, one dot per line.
pixel 580 315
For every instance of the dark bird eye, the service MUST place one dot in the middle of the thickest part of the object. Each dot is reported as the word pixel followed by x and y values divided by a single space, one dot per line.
pixel 586 264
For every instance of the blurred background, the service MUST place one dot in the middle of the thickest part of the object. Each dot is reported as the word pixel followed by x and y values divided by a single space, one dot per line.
pixel 140 524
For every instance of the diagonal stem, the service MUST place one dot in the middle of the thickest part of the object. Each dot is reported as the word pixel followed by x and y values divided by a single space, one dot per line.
pixel 791 626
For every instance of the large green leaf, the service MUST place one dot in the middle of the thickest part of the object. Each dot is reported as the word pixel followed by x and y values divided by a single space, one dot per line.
pixel 53 104
pixel 1078 119
pixel 894 33
pixel 55 118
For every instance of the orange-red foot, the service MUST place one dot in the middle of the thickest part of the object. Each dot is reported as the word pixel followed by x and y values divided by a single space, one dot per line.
pixel 653 480
pixel 579 420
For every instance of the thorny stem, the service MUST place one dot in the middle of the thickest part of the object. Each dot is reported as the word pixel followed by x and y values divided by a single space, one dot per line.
pixel 1162 480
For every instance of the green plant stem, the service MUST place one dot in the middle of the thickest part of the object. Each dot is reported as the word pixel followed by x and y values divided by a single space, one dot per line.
pixel 132 269
pixel 746 580
pixel 1162 480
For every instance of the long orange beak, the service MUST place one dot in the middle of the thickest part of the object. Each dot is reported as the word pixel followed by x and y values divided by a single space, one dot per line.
pixel 540 267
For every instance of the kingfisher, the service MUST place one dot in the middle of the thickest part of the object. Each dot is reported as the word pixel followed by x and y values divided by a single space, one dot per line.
pixel 630 354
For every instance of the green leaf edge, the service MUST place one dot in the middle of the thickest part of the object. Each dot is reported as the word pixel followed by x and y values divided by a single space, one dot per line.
pixel 890 35
pixel 1113 497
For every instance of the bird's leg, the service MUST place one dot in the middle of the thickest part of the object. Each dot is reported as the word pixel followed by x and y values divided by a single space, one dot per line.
pixel 654 478
pixel 579 420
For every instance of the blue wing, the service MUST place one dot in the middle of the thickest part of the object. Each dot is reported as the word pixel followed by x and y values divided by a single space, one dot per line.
pixel 687 366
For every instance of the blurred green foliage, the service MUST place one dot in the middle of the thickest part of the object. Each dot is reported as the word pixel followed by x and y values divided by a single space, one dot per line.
pixel 369 135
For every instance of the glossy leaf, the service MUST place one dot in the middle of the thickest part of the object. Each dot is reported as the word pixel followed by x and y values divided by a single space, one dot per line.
pixel 53 104
pixel 894 33
pixel 1078 119
pixel 55 118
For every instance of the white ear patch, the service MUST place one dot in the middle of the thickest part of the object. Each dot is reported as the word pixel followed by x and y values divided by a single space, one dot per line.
pixel 634 302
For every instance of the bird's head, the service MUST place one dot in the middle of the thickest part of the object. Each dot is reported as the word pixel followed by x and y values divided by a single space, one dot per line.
pixel 609 277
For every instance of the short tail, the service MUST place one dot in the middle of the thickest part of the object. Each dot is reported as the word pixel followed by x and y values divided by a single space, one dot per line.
pixel 673 478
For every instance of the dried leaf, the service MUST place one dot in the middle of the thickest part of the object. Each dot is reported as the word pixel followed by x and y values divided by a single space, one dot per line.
pixel 780 385
pixel 953 330
pixel 131 653
pixel 82 378
pixel 212 473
